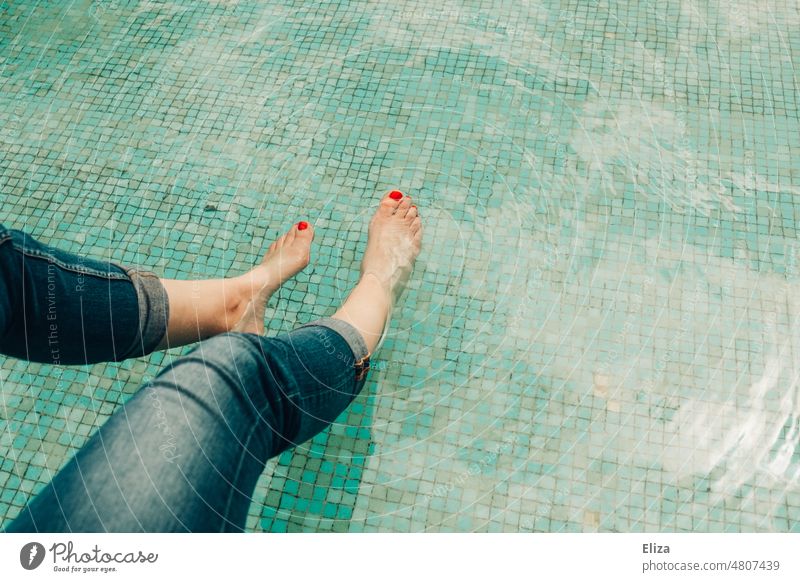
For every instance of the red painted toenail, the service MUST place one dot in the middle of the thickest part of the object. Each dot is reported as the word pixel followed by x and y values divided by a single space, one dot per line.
pixel 395 195
pixel 302 225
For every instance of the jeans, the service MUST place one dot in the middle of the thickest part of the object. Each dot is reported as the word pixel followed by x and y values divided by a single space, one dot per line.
pixel 185 452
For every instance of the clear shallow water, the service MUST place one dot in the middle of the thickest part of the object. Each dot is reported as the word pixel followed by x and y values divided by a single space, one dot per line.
pixel 601 334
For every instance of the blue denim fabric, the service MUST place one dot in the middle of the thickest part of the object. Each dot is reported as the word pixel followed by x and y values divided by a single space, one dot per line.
pixel 60 308
pixel 185 452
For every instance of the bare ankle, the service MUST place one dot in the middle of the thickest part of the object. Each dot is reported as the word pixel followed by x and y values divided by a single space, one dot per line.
pixel 367 309
pixel 371 279
pixel 242 299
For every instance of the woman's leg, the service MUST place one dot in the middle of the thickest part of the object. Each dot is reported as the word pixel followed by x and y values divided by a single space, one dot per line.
pixel 184 454
pixel 395 235
pixel 201 309
pixel 60 308
pixel 57 307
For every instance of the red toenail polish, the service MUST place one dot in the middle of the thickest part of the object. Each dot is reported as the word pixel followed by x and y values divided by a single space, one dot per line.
pixel 302 225
pixel 395 195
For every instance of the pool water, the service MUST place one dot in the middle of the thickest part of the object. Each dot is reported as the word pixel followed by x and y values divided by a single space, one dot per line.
pixel 602 330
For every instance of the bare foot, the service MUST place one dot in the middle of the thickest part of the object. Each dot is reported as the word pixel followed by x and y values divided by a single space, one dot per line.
pixel 286 257
pixel 395 239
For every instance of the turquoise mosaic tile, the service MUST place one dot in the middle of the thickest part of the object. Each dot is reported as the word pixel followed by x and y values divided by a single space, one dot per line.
pixel 602 330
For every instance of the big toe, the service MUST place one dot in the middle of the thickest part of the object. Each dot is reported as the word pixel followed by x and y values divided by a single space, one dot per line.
pixel 390 203
pixel 303 231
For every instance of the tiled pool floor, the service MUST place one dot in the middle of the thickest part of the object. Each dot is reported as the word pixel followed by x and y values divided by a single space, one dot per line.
pixel 602 331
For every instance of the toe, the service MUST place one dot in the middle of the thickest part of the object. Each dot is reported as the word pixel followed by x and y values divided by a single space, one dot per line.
pixel 412 212
pixel 303 231
pixel 403 207
pixel 390 202
pixel 416 224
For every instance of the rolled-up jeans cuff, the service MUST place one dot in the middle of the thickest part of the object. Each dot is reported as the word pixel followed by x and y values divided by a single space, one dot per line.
pixel 153 311
pixel 353 338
